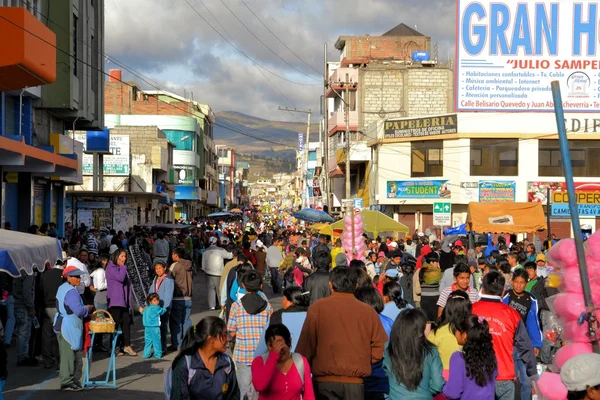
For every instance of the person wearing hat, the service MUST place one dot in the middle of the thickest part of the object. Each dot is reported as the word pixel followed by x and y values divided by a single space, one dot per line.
pixel 581 377
pixel 68 325
pixel 341 260
pixel 540 262
pixel 261 258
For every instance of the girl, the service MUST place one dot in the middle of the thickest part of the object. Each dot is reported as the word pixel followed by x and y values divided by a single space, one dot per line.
pixel 412 363
pixel 394 303
pixel 473 371
pixel 443 336
pixel 293 301
pixel 281 374
pixel 213 373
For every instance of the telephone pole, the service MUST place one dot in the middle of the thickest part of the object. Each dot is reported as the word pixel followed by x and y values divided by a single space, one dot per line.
pixel 325 169
pixel 305 202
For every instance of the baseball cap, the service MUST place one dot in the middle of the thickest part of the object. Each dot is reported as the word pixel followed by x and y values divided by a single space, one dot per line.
pixel 259 243
pixel 458 243
pixel 391 273
pixel 225 240
pixel 212 240
pixel 540 257
pixel 581 372
pixel 72 271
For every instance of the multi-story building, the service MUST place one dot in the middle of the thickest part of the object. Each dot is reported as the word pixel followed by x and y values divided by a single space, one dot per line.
pixel 51 82
pixel 242 169
pixel 376 78
pixel 187 124
pixel 227 176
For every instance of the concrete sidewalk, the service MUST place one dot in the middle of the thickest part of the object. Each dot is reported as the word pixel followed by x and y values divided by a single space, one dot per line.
pixel 135 376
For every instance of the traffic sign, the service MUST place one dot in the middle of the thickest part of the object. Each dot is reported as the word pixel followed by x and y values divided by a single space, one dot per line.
pixel 442 208
pixel 358 202
pixel 442 214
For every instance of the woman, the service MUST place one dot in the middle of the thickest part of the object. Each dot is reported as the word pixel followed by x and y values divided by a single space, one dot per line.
pixel 377 385
pixel 120 302
pixel 301 266
pixel 98 285
pixel 202 370
pixel 281 374
pixel 394 304
pixel 443 336
pixel 293 301
pixel 164 286
pixel 412 363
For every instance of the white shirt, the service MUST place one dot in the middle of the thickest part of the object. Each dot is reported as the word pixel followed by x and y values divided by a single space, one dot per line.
pixel 99 279
pixel 85 278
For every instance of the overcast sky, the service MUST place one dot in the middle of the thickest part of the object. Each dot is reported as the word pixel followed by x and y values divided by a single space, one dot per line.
pixel 169 43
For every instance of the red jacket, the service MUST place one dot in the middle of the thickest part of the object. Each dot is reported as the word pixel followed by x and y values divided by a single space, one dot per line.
pixel 508 332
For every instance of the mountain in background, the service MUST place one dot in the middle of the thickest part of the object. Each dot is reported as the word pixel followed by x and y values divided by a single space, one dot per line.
pixel 285 134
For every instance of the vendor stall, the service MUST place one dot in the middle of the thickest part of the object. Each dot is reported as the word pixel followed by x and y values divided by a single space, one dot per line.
pixel 24 251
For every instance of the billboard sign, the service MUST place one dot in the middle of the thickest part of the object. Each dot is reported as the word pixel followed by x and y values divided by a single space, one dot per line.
pixel 419 127
pixel 116 163
pixel 587 195
pixel 508 53
pixel 418 190
pixel 497 191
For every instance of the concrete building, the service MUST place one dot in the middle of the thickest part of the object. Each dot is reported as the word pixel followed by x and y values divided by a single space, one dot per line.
pixel 226 167
pixel 187 124
pixel 242 171
pixel 383 81
pixel 51 77
pixel 483 157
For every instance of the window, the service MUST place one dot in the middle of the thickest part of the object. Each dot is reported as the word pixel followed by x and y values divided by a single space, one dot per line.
pixel 427 158
pixel 75 39
pixel 585 158
pixel 95 71
pixel 312 155
pixel 183 140
pixel 494 157
pixel 222 153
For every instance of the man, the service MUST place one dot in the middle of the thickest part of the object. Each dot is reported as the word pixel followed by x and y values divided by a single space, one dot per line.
pixel 317 283
pixel 69 329
pixel 462 280
pixel 341 339
pixel 161 249
pixel 213 262
pixel 50 281
pixel 395 260
pixel 161 189
pixel 581 376
pixel 478 250
pixel 181 307
pixel 248 253
pixel 410 247
pixel 508 333
pixel 448 279
pixel 104 242
pixel 24 293
pixel 188 243
pixel 91 244
pixel 261 258
pixel 274 258
pixel 513 261
pixel 530 250
pixel 81 264
pixel 337 249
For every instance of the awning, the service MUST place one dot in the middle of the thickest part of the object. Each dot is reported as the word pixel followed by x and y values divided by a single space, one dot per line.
pixel 24 251
pixel 18 156
pixel 97 193
pixel 509 218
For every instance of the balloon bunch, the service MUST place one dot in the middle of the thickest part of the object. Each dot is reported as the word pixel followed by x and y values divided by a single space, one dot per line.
pixel 354 250
pixel 569 307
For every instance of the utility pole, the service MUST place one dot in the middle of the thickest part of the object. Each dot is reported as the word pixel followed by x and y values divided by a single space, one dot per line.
pixel 305 202
pixel 347 116
pixel 325 169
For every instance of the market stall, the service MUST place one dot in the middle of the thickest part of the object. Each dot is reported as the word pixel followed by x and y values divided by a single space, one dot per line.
pixel 508 218
pixel 24 251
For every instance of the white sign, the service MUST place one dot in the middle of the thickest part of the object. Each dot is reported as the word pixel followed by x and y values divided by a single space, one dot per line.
pixel 442 213
pixel 115 164
pixel 509 52
pixel 442 219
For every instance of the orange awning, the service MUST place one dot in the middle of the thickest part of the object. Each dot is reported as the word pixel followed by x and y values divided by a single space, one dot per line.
pixel 18 156
pixel 509 218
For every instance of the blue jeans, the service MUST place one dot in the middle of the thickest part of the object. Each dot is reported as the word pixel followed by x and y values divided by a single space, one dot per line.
pixel 10 322
pixel 505 390
pixel 152 340
pixel 23 332
pixel 179 321
pixel 521 373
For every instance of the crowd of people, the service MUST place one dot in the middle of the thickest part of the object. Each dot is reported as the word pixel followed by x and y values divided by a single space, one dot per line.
pixel 419 319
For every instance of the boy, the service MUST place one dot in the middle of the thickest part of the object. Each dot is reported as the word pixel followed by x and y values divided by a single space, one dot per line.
pixel 526 305
pixel 151 318
pixel 248 320
pixel 462 280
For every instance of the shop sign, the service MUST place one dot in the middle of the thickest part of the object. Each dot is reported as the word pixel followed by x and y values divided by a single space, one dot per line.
pixel 184 175
pixel 497 191
pixel 116 163
pixel 509 52
pixel 418 190
pixel 587 195
pixel 183 192
pixel 419 127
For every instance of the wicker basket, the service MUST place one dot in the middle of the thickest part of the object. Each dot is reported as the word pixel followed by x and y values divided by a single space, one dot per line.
pixel 105 326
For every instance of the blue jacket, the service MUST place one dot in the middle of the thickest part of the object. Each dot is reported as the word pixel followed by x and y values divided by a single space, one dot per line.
pixel 378 381
pixel 204 385
pixel 151 315
pixel 165 291
pixel 532 322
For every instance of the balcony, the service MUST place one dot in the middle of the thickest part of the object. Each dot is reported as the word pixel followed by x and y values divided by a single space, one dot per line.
pixel 337 122
pixel 28 56
pixel 340 76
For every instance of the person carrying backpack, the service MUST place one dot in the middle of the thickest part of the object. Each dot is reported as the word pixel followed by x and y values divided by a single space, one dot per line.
pixel 279 373
pixel 202 370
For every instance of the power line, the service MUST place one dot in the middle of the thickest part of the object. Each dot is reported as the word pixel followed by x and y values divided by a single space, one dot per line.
pixel 277 37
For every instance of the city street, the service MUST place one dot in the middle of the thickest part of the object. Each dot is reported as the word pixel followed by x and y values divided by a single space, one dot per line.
pixel 135 376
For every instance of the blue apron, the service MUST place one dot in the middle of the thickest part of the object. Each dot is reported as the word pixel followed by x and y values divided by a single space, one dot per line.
pixel 72 325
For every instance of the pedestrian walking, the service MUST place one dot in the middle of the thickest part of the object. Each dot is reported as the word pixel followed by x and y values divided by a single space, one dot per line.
pixel 50 282
pixel 274 259
pixel 181 307
pixel 213 262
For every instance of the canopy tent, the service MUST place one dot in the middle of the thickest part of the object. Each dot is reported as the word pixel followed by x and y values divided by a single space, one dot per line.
pixel 319 226
pixel 24 251
pixel 375 222
pixel 509 218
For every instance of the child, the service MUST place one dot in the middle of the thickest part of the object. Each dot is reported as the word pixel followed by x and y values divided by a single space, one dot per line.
pixel 151 317
pixel 473 371
pixel 462 280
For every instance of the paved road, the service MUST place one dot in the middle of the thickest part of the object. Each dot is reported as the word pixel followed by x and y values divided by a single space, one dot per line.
pixel 135 376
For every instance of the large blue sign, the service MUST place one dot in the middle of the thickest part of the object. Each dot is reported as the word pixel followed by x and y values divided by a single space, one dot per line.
pixel 585 210
pixel 186 193
pixel 418 190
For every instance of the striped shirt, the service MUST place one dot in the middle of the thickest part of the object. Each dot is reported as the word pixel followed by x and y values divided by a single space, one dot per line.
pixel 248 330
pixel 445 294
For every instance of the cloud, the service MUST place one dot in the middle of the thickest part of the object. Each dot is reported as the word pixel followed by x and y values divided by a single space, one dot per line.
pixel 170 43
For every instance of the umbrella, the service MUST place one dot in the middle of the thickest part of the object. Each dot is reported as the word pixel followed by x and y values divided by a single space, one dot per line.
pixel 236 211
pixel 22 251
pixel 219 214
pixel 312 215
pixel 375 222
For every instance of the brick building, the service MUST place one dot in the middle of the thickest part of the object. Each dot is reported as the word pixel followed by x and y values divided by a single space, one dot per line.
pixel 385 82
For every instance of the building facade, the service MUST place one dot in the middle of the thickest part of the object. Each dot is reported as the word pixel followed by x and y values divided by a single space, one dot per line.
pixel 226 167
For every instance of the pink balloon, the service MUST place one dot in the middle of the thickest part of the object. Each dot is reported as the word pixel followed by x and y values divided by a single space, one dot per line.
pixel 569 306
pixel 358 219
pixel 348 219
pixel 576 333
pixel 564 253
pixel 593 246
pixel 571 281
pixel 551 387
pixel 593 266
pixel 569 351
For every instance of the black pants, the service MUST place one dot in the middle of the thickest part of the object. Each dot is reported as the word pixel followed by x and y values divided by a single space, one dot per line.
pixel 339 391
pixel 50 351
pixel 123 322
pixel 275 280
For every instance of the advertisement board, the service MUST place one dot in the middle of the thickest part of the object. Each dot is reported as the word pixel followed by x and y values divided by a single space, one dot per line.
pixel 418 190
pixel 497 191
pixel 587 195
pixel 115 164
pixel 418 127
pixel 508 53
